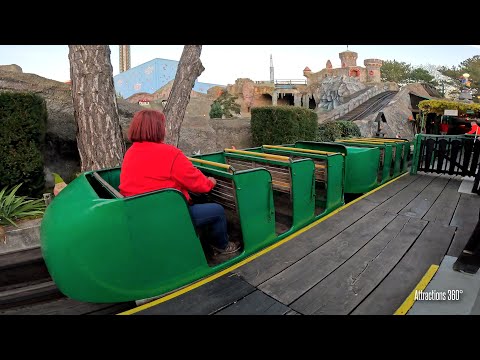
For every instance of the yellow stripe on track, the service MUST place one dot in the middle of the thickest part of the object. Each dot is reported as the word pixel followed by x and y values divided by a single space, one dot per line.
pixel 250 258
pixel 410 300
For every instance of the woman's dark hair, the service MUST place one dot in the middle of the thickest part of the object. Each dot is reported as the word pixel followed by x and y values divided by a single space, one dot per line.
pixel 147 125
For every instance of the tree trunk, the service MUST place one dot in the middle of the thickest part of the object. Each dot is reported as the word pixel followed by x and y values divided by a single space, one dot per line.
pixel 99 135
pixel 189 69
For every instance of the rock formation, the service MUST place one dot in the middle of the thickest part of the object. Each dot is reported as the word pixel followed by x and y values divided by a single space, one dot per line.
pixel 334 91
pixel 11 68
pixel 396 114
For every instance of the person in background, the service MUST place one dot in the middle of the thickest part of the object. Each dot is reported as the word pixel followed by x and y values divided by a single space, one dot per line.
pixel 443 127
pixel 150 164
pixel 474 129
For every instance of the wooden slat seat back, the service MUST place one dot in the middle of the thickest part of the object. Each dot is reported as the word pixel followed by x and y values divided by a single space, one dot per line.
pixel 328 173
pixel 224 191
pixel 320 167
pixel 281 177
pixel 320 164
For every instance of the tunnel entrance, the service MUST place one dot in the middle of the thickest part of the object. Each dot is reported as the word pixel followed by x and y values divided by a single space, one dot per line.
pixel 265 100
pixel 286 99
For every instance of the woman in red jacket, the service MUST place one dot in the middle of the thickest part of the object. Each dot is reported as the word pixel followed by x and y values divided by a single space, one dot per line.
pixel 474 129
pixel 150 164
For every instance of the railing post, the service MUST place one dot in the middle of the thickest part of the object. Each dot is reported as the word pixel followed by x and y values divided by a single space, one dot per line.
pixel 416 154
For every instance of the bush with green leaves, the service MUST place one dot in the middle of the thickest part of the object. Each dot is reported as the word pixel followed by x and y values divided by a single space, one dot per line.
pixel 216 111
pixel 23 119
pixel 224 105
pixel 276 125
pixel 14 207
pixel 331 130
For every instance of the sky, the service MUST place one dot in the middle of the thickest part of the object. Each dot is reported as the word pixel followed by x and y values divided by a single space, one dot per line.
pixel 225 63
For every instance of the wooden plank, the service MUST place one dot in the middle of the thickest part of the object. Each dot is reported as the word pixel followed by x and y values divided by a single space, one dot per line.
pixel 347 286
pixel 22 266
pixel 113 309
pixel 429 249
pixel 256 303
pixel 390 190
pixel 466 213
pixel 291 312
pixel 396 203
pixel 419 206
pixel 13 258
pixel 294 281
pixel 66 306
pixel 444 207
pixel 462 235
pixel 266 266
pixel 204 300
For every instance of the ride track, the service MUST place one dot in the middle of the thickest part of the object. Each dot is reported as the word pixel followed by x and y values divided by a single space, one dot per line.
pixel 370 106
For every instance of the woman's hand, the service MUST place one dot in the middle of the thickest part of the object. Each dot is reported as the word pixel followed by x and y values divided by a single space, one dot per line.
pixel 212 180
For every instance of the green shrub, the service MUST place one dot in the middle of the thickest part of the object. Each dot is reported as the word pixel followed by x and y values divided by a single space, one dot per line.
pixel 216 111
pixel 224 105
pixel 282 125
pixel 331 130
pixel 14 207
pixel 23 118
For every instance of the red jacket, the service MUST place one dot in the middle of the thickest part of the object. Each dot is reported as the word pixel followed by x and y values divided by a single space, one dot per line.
pixel 149 166
pixel 474 128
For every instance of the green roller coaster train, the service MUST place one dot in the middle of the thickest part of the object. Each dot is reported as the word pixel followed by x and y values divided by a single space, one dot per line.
pixel 100 246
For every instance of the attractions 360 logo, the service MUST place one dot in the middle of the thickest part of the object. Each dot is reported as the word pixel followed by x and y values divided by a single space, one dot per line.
pixel 433 295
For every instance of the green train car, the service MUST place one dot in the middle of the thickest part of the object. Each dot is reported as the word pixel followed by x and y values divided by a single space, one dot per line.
pixel 394 154
pixel 100 246
pixel 361 164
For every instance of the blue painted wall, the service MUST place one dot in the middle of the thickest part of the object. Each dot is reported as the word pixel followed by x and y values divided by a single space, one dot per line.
pixel 149 77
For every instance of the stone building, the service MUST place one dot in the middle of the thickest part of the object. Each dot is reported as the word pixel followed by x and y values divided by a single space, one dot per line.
pixel 368 74
pixel 322 90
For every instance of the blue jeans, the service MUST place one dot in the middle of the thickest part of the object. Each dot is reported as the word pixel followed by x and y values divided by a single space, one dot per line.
pixel 212 215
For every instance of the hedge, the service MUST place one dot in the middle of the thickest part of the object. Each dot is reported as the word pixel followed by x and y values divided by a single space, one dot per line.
pixel 23 121
pixel 276 125
pixel 331 130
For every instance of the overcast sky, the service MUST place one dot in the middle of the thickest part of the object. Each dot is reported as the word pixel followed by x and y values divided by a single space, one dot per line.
pixel 225 63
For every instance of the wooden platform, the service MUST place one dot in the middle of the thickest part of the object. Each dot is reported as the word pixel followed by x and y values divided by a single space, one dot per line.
pixel 366 259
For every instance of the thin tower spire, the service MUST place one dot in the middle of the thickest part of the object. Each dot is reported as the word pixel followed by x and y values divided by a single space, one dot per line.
pixel 271 69
pixel 124 57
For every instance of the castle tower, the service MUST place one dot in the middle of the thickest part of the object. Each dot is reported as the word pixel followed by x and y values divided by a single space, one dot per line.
pixel 373 69
pixel 124 57
pixel 272 78
pixel 329 64
pixel 307 72
pixel 348 58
